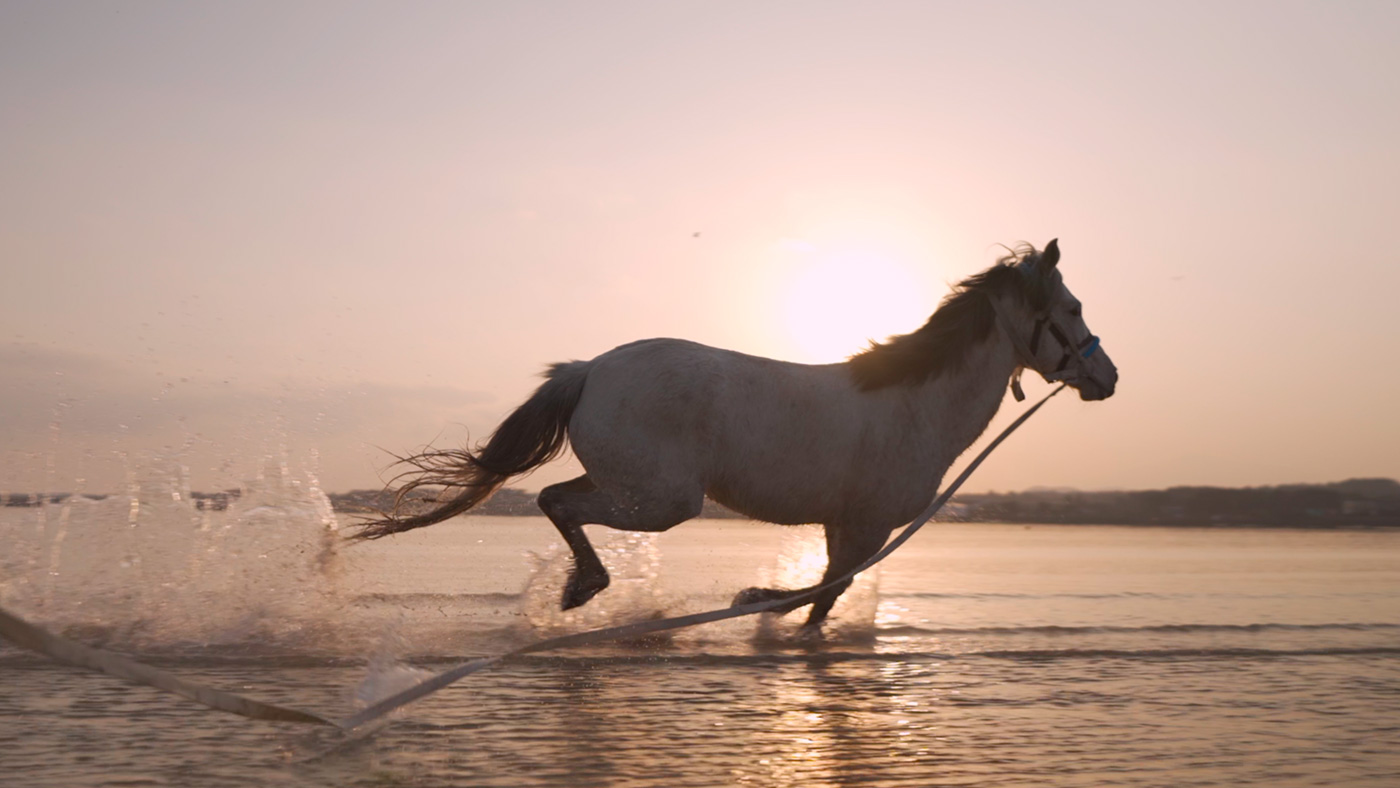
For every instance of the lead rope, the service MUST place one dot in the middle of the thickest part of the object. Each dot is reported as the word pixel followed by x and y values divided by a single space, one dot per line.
pixel 28 636
pixel 70 652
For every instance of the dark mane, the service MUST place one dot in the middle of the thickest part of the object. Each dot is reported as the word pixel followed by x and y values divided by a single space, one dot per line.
pixel 962 321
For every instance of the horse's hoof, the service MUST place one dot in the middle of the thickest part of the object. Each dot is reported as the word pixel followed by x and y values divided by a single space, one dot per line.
pixel 582 588
pixel 751 595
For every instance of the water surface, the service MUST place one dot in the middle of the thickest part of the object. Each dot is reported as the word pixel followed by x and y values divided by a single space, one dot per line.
pixel 976 655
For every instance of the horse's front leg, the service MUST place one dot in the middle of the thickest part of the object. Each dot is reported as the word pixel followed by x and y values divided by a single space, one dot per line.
pixel 847 547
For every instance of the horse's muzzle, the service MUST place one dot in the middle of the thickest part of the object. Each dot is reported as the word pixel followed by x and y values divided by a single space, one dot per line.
pixel 1098 384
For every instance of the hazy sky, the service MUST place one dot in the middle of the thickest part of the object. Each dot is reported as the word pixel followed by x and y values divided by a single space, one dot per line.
pixel 232 231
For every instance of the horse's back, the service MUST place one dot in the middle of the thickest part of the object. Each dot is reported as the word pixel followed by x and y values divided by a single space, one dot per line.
pixel 684 385
pixel 677 389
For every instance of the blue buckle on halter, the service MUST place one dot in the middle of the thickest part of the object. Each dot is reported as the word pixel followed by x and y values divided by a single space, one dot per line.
pixel 1093 345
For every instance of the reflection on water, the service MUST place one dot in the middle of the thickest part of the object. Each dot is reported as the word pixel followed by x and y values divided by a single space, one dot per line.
pixel 799 722
pixel 978 655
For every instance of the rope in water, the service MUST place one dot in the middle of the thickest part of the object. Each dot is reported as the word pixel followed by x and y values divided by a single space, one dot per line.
pixel 28 636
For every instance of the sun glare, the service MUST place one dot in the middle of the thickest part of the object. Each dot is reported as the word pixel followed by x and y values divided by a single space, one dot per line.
pixel 835 301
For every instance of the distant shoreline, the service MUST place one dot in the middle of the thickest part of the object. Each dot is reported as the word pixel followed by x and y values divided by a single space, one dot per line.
pixel 1354 504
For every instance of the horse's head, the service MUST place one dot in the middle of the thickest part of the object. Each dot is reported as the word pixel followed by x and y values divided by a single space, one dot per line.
pixel 1046 326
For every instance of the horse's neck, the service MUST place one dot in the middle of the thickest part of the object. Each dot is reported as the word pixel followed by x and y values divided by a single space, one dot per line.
pixel 959 405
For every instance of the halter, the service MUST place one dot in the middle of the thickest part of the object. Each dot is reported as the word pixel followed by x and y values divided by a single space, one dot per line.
pixel 1073 352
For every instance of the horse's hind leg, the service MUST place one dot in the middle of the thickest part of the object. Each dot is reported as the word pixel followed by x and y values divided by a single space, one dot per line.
pixel 588 576
pixel 579 502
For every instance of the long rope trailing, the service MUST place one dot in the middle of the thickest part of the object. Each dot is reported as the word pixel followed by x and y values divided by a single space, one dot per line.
pixel 33 638
pixel 69 652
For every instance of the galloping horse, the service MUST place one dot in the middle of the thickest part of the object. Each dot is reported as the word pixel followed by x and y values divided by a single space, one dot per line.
pixel 860 447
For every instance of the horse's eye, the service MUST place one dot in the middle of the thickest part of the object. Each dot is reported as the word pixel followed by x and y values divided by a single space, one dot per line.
pixel 1076 312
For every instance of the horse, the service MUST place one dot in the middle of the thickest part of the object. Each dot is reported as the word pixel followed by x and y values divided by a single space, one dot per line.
pixel 859 447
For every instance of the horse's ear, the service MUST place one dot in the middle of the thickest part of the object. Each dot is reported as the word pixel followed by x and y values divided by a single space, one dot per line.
pixel 1051 255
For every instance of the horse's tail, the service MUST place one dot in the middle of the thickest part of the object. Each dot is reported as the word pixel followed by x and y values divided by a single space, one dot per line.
pixel 534 434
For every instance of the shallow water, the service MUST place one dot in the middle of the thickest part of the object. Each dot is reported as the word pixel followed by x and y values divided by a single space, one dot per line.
pixel 976 655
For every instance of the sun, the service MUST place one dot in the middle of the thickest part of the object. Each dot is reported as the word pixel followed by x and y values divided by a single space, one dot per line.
pixel 834 301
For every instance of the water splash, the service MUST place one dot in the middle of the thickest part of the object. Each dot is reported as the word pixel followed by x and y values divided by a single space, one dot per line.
pixel 150 569
pixel 386 674
pixel 632 560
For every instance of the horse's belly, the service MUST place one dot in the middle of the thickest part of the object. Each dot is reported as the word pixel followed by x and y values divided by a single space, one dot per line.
pixel 798 493
pixel 787 510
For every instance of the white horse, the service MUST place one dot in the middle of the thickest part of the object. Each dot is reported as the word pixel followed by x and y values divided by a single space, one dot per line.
pixel 860 447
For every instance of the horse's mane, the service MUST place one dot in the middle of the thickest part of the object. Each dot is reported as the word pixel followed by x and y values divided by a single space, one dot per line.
pixel 961 322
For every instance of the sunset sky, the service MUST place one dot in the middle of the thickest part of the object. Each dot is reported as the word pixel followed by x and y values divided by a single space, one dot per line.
pixel 311 232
